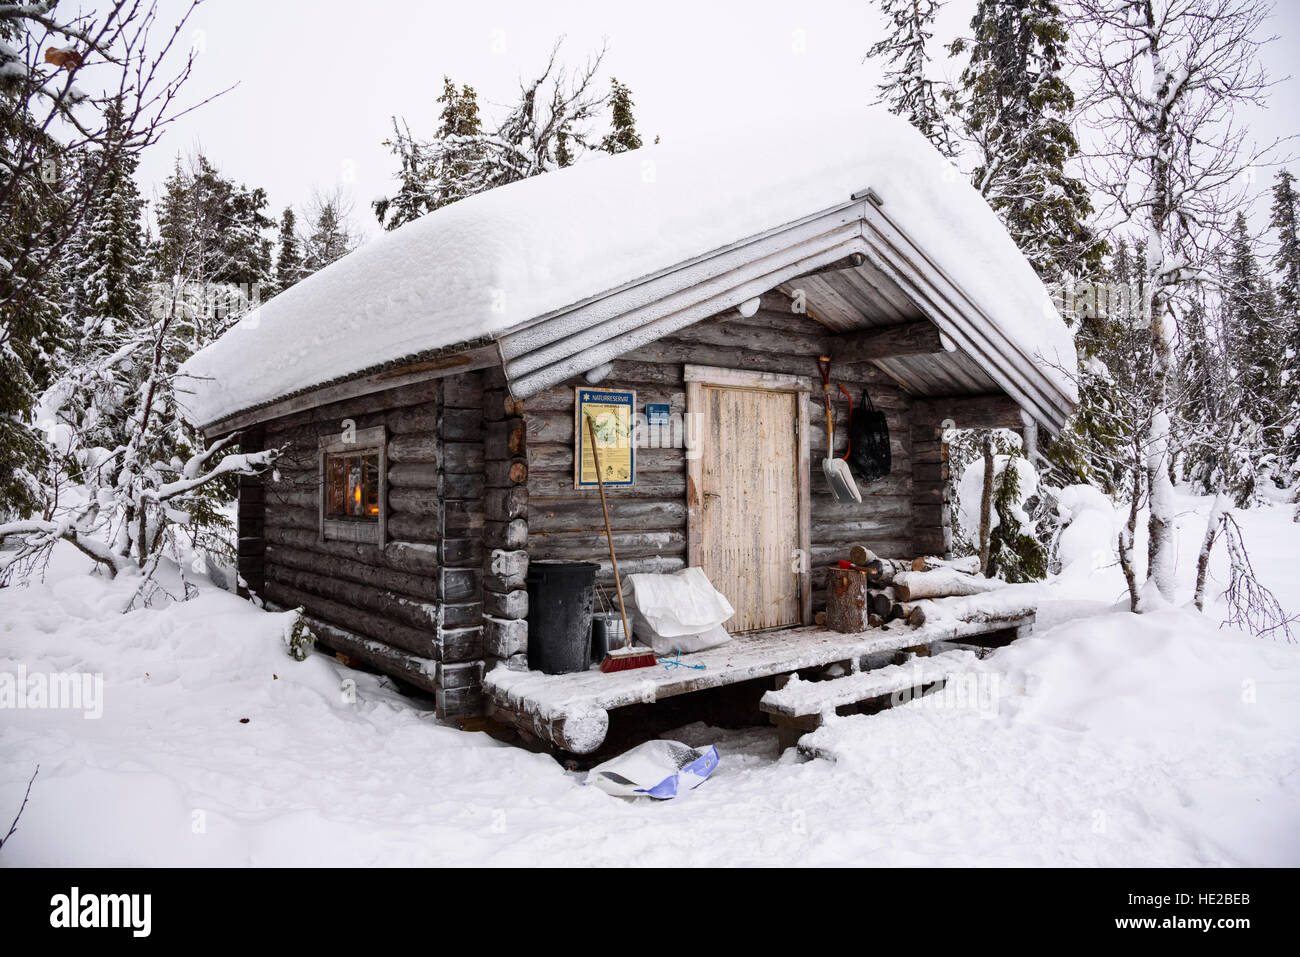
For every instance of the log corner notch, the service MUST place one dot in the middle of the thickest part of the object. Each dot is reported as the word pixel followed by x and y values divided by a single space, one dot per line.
pixel 921 337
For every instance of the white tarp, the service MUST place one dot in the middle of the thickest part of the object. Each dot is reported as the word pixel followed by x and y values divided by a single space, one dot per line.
pixel 681 611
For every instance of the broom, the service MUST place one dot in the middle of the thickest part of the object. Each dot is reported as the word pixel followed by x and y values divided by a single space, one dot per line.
pixel 627 657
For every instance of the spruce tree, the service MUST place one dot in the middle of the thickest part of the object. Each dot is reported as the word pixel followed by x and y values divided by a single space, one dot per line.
pixel 1015 106
pixel 1251 346
pixel 622 136
pixel 329 238
pixel 906 89
pixel 439 173
pixel 288 260
pixel 1285 219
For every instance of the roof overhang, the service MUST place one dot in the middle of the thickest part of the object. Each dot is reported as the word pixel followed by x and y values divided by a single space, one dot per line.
pixel 555 347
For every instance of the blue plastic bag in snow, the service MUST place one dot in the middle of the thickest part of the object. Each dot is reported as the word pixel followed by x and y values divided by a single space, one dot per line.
pixel 657 769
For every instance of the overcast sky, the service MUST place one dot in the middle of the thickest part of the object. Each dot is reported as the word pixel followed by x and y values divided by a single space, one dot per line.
pixel 319 81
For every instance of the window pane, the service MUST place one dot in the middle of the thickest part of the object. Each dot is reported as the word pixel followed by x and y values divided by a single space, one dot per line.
pixel 352 486
pixel 337 487
pixel 370 498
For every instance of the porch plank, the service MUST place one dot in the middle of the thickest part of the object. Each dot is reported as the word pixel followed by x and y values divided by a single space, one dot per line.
pixel 547 703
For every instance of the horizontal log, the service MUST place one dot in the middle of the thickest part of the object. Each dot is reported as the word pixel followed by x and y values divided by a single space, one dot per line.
pixel 413 448
pixel 907 339
pixel 415 528
pixel 414 418
pixel 992 411
pixel 414 557
pixel 557 458
pixel 548 487
pixel 361 572
pixel 585 545
pixel 413 669
pixel 407 611
pixel 942 583
pixel 414 501
pixel 395 555
pixel 359 407
pixel 581 732
pixel 370 625
pixel 424 475
pixel 561 516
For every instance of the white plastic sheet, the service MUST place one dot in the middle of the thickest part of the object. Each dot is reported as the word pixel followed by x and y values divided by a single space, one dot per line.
pixel 658 769
pixel 678 612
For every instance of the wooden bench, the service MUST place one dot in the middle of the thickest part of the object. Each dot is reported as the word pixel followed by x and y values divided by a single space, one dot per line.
pixel 801 706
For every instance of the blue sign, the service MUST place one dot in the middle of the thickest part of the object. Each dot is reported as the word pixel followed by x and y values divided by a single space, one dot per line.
pixel 657 414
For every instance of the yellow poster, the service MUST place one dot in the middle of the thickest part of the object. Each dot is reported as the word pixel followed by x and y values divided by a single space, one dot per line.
pixel 611 413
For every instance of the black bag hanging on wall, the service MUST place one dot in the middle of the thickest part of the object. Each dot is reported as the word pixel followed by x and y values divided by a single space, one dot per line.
pixel 869 435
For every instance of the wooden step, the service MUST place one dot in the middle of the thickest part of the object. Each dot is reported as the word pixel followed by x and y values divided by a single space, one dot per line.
pixel 804 698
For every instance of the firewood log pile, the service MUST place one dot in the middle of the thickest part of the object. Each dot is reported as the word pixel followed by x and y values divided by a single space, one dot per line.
pixel 868 591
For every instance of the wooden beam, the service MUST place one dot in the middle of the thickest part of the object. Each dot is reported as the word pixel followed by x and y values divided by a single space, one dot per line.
pixel 479 357
pixel 851 261
pixel 993 411
pixel 908 339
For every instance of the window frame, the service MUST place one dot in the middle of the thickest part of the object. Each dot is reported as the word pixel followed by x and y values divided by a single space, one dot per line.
pixel 373 441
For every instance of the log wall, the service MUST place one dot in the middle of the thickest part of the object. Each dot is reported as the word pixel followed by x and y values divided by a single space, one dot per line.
pixel 649 518
pixel 412 608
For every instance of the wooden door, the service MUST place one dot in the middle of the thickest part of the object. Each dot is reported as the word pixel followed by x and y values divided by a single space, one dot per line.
pixel 748 484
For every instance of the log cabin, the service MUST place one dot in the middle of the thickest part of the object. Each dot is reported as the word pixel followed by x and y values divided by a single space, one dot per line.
pixel 425 391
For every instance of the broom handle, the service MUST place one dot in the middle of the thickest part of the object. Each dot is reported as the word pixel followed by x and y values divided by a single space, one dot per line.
pixel 609 536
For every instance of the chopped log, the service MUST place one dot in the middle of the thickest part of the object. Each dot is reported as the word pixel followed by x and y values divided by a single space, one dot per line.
pixel 941 583
pixel 861 555
pixel 881 604
pixel 848 600
pixel 882 571
pixel 970 564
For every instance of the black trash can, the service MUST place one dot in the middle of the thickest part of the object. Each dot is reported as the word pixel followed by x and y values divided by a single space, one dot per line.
pixel 560 600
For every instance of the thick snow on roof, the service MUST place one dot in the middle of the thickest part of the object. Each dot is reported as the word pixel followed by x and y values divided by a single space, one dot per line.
pixel 494 261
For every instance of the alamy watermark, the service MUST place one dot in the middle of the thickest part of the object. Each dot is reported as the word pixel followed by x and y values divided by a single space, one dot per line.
pixel 58 690
pixel 978 691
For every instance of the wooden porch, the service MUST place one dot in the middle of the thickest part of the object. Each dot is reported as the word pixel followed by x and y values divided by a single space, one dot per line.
pixel 572 711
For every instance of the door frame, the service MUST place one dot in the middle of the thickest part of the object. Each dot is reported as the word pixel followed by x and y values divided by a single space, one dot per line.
pixel 696 378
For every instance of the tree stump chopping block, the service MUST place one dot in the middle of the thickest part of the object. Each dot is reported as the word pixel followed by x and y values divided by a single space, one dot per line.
pixel 848 600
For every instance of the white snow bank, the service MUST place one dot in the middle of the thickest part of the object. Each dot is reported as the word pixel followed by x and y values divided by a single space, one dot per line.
pixel 1088 531
pixel 1115 740
pixel 491 262
pixel 1152 740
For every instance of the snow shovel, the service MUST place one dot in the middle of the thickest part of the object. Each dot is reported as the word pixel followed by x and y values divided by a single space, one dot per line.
pixel 837 472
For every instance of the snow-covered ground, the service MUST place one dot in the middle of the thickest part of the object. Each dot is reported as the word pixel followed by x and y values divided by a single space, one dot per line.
pixel 1112 739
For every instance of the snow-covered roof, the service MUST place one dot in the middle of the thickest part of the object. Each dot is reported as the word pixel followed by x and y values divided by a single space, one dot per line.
pixel 501 261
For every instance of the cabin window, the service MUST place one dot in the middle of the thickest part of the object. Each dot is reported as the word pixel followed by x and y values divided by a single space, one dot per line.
pixel 353 475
